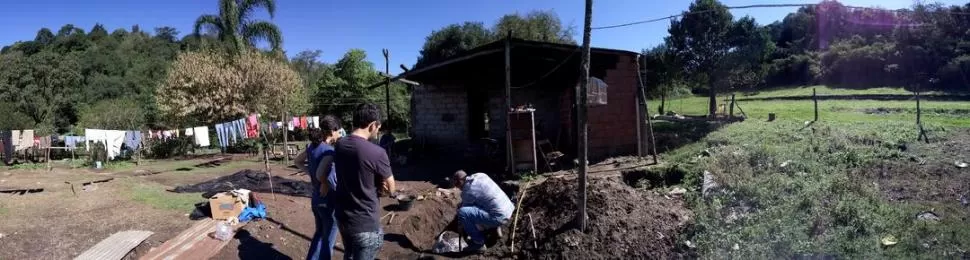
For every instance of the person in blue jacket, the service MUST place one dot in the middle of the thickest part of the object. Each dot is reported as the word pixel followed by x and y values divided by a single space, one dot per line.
pixel 317 161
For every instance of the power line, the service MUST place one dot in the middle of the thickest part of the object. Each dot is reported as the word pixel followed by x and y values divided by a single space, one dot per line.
pixel 701 12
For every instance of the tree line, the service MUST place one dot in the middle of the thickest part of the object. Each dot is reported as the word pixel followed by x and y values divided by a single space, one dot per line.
pixel 707 50
pixel 130 78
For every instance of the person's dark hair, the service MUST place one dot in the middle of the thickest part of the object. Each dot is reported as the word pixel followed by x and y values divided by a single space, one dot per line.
pixel 329 124
pixel 316 136
pixel 365 114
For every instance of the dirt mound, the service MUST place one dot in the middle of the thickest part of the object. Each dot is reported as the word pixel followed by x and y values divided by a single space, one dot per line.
pixel 257 181
pixel 623 222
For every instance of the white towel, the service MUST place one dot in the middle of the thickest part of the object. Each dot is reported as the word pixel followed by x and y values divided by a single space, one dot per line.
pixel 189 132
pixel 202 136
pixel 315 120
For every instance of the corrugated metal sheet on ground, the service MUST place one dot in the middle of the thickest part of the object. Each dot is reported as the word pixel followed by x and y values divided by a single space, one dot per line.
pixel 115 246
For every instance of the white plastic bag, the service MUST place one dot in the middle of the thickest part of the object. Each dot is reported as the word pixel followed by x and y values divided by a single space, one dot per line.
pixel 223 231
pixel 448 242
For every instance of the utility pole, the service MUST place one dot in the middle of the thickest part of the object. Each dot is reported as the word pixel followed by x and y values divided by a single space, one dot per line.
pixel 387 86
pixel 581 116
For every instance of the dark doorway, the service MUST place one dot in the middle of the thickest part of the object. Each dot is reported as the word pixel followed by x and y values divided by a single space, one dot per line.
pixel 477 114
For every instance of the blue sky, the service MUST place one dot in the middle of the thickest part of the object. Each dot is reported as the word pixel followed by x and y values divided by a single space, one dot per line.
pixel 400 26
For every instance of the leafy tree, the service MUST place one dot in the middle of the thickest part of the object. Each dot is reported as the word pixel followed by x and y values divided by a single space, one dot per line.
pixel 44 36
pixel 124 113
pixel 97 32
pixel 343 85
pixel 208 87
pixel 168 34
pixel 701 41
pixel 456 38
pixel 452 39
pixel 234 24
pixel 536 25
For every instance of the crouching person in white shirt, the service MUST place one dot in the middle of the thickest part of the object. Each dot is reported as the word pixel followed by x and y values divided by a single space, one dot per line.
pixel 483 204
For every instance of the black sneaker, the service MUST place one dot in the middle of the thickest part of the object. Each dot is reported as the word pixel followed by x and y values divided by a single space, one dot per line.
pixel 474 248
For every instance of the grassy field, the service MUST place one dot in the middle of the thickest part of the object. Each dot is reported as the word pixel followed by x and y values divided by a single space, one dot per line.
pixel 945 113
pixel 788 190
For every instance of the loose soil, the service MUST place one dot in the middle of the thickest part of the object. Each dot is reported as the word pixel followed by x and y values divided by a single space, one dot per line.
pixel 623 222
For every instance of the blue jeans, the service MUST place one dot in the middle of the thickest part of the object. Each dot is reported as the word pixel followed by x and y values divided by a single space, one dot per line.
pixel 363 246
pixel 471 217
pixel 321 247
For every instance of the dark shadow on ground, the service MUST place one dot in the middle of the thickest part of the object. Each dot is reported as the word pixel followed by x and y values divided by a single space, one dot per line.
pixel 252 248
pixel 288 229
pixel 671 135
pixel 401 240
pixel 880 97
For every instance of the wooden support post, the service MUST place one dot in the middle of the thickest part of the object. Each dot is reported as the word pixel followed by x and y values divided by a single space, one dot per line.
pixel 509 158
pixel 387 85
pixel 643 96
pixel 582 116
pixel 815 101
pixel 731 109
pixel 919 112
pixel 286 131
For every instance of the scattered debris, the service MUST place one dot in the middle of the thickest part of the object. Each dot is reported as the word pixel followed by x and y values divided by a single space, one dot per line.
pixel 918 160
pixel 709 184
pixel 960 164
pixel 736 247
pixel 889 240
pixel 689 244
pixel 964 201
pixel 785 163
pixel 928 215
pixel 677 191
pixel 22 191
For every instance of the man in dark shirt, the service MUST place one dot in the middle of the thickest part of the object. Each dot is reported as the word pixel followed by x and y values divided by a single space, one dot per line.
pixel 360 164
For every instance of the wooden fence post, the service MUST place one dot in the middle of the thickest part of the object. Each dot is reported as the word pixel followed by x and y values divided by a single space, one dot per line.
pixel 815 100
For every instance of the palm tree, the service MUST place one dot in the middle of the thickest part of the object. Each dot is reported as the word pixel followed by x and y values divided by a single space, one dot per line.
pixel 235 25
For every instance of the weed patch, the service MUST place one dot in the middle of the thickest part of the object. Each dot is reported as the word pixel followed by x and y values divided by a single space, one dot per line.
pixel 788 190
pixel 156 197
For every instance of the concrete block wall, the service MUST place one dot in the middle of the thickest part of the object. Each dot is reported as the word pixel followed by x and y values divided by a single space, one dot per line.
pixel 431 104
pixel 612 127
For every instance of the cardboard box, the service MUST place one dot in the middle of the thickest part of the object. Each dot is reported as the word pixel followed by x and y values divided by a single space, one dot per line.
pixel 224 206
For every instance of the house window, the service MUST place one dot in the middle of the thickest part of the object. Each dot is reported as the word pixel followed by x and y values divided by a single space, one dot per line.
pixel 596 92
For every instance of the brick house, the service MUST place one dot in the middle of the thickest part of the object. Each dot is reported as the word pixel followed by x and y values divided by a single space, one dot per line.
pixel 462 100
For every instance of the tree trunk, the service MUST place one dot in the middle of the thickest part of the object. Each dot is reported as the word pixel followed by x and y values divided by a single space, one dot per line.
pixel 712 106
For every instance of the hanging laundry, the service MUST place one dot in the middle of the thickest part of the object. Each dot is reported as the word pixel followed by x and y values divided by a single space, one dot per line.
pixel 166 134
pixel 221 135
pixel 252 126
pixel 290 126
pixel 133 139
pixel 201 136
pixel 112 140
pixel 71 141
pixel 241 127
pixel 26 139
pixel 43 142
pixel 15 139
pixel 7 147
pixel 315 120
pixel 303 122
pixel 189 131
pixel 295 123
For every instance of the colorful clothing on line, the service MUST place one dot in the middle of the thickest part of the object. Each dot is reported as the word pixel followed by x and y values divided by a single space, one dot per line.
pixel 252 126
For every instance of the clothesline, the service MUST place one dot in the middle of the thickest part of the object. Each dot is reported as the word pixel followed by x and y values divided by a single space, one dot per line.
pixel 228 134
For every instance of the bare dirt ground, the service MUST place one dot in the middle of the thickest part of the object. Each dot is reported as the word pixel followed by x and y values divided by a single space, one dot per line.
pixel 929 174
pixel 57 224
